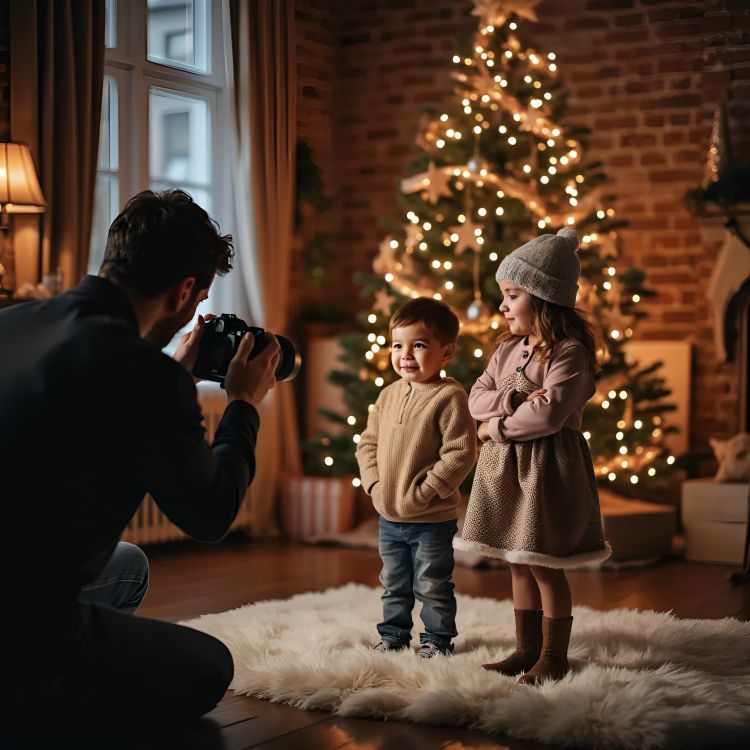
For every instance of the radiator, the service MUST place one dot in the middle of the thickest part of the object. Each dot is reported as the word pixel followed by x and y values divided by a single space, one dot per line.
pixel 149 525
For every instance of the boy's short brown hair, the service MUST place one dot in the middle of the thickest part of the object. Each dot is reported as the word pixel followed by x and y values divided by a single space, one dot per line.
pixel 436 316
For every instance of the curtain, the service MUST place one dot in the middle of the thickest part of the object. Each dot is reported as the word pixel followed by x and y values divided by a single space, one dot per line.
pixel 263 80
pixel 70 37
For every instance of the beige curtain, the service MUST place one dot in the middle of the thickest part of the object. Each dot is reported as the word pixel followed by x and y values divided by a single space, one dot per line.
pixel 263 75
pixel 71 74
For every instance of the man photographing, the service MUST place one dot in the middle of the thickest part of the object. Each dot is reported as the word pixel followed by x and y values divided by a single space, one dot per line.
pixel 93 416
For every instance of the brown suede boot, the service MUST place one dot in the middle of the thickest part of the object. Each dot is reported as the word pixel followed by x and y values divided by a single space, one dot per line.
pixel 553 661
pixel 528 644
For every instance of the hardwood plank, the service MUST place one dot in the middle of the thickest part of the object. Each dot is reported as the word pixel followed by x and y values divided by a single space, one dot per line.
pixel 233 710
pixel 364 734
pixel 273 720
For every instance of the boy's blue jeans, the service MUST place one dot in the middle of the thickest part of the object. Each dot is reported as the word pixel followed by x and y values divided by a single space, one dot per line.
pixel 417 562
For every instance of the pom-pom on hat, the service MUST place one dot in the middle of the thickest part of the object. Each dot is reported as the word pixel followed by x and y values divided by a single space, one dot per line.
pixel 547 267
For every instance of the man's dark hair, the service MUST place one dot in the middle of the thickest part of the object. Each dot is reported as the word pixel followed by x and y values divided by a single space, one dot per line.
pixel 160 238
pixel 436 316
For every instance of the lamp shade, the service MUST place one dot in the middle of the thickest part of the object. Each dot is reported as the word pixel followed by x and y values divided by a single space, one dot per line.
pixel 19 187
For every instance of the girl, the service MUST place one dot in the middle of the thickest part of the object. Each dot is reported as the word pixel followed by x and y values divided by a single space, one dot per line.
pixel 534 501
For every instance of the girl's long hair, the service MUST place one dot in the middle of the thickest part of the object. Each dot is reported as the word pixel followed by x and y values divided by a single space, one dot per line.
pixel 553 323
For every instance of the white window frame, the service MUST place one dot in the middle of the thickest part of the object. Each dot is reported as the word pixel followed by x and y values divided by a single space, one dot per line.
pixel 135 74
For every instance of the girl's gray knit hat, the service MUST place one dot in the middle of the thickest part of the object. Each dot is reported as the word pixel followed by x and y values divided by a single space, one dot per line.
pixel 547 267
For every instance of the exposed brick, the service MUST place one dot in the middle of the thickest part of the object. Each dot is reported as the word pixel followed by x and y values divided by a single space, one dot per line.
pixel 646 87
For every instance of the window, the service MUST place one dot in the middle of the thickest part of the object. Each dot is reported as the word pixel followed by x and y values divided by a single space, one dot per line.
pixel 178 33
pixel 163 109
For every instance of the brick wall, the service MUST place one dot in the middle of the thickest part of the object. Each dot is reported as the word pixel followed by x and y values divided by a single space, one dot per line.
pixel 316 49
pixel 644 76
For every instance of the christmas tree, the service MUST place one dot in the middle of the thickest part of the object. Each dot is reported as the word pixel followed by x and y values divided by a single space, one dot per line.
pixel 497 167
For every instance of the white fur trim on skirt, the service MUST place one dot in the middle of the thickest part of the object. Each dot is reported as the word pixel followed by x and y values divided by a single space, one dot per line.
pixel 524 557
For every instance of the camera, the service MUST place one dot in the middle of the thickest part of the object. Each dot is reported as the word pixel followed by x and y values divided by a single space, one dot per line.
pixel 219 343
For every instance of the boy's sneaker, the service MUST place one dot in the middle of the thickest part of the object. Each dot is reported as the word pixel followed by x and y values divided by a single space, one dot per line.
pixel 428 650
pixel 385 646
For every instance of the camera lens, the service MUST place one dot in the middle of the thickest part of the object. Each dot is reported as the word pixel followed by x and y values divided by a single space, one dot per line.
pixel 290 360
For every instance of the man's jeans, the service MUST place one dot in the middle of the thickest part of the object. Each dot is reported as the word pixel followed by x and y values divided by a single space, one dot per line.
pixel 417 561
pixel 123 582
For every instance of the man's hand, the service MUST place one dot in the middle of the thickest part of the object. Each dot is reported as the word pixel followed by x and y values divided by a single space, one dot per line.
pixel 251 380
pixel 186 352
pixel 484 432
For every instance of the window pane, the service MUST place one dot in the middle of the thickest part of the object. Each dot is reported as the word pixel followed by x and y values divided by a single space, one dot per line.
pixel 109 134
pixel 106 207
pixel 110 24
pixel 178 33
pixel 107 189
pixel 179 140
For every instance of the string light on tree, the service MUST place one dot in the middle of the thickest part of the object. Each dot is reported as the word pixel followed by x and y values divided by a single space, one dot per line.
pixel 497 165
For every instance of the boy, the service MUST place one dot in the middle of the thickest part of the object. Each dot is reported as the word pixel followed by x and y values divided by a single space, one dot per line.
pixel 419 445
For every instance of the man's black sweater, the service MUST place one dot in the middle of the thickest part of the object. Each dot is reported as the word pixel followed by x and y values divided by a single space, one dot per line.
pixel 92 417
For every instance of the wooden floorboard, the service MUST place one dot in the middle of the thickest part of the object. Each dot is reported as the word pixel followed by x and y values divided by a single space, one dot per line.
pixel 189 579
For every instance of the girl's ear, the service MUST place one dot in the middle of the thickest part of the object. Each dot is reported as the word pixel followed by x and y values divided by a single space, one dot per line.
pixel 449 351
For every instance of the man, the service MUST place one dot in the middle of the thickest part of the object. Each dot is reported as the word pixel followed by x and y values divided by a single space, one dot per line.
pixel 92 416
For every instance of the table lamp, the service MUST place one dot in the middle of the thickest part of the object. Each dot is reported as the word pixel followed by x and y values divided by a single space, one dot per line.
pixel 19 191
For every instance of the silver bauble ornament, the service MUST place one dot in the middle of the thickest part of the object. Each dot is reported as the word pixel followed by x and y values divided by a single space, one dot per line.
pixel 477 312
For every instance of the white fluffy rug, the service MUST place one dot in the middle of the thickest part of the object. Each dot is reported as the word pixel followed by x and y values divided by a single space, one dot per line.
pixel 639 679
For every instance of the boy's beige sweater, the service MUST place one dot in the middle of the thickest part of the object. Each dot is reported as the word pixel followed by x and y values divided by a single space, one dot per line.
pixel 419 445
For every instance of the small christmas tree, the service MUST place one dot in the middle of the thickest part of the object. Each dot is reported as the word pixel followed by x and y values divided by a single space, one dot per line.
pixel 497 167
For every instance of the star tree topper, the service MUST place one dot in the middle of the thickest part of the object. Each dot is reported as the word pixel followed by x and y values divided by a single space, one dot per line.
pixel 494 12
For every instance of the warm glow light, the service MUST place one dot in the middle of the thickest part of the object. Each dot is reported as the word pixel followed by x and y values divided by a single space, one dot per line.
pixel 379 382
pixel 371 318
pixel 478 353
pixel 328 460
pixel 351 420
pixel 356 481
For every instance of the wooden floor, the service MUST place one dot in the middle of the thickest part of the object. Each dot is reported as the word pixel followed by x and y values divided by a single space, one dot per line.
pixel 189 579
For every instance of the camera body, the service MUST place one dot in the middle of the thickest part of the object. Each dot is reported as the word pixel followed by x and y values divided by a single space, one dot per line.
pixel 221 339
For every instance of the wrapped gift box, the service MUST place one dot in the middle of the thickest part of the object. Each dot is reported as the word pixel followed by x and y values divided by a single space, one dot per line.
pixel 311 506
pixel 714 517
pixel 637 529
